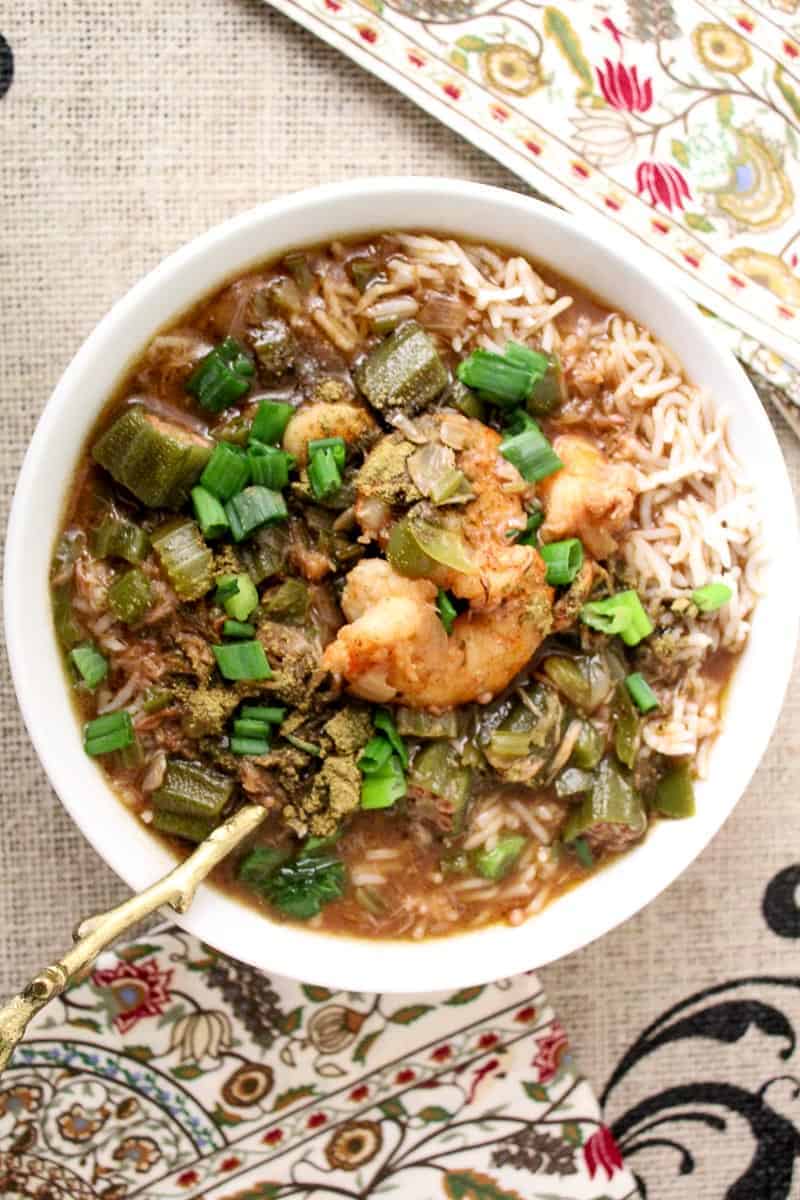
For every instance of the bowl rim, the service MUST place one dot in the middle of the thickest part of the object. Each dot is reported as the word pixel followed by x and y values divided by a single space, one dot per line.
pixel 344 962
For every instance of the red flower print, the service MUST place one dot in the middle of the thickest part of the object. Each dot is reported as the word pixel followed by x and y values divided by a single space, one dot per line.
pixel 746 24
pixel 534 147
pixel 621 87
pixel 499 113
pixel 416 59
pixel 479 1075
pixel 525 1015
pixel 441 1054
pixel 550 1050
pixel 404 1076
pixel 230 1164
pixel 580 170
pixel 487 1040
pixel 332 5
pixel 663 183
pixel 613 30
pixel 359 1093
pixel 791 49
pixel 786 313
pixel 451 90
pixel 138 989
pixel 187 1178
pixel 737 281
pixel 368 34
pixel 602 1151
pixel 273 1137
pixel 316 1120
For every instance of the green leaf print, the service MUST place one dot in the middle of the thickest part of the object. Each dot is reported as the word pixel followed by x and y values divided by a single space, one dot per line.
pixel 699 221
pixel 316 994
pixel 137 950
pixel 535 1091
pixel 292 1021
pixel 292 1094
pixel 409 1013
pixel 459 59
pixel 680 152
pixel 140 1053
pixel 434 1112
pixel 465 996
pixel 473 1185
pixel 393 1108
pixel 187 1071
pixel 222 1117
pixel 365 1045
pixel 787 91
pixel 558 27
pixel 471 42
pixel 725 109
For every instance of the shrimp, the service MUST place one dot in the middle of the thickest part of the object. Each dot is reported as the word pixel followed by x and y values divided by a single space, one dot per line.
pixel 590 498
pixel 484 523
pixel 396 648
pixel 321 420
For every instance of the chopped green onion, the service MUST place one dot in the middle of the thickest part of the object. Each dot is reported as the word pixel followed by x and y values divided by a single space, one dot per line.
pixel 269 466
pixel 362 271
pixel 447 611
pixel 622 614
pixel 112 731
pixel 227 585
pixel 711 597
pixel 384 787
pixel 301 744
pixel 531 453
pixel 527 536
pixel 563 559
pixel 242 660
pixel 238 601
pixel 130 595
pixel 323 473
pixel 496 863
pixel 550 390
pixel 257 867
pixel 375 755
pixel 247 728
pixel 583 853
pixel 523 356
pixel 675 793
pixel 90 663
pixel 336 444
pixel 222 377
pixel 252 508
pixel 270 421
pixel 256 712
pixel 226 472
pixel 238 629
pixel 209 513
pixel 496 377
pixel 642 694
pixel 382 719
pixel 255 746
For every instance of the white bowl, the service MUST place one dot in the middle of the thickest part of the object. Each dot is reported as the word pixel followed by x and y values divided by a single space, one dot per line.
pixel 629 278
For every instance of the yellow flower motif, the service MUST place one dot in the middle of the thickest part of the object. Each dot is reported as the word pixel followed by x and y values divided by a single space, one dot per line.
pixel 768 270
pixel 511 69
pixel 759 194
pixel 334 1027
pixel 720 49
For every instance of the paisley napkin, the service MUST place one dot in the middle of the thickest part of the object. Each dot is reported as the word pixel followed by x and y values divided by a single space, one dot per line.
pixel 173 1071
pixel 677 121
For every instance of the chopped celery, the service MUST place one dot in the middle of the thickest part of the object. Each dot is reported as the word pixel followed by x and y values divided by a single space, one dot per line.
pixel 117 537
pixel 185 558
pixel 674 796
pixel 498 862
pixel 130 595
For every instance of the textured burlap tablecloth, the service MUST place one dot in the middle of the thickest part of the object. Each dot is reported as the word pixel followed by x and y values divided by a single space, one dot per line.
pixel 129 129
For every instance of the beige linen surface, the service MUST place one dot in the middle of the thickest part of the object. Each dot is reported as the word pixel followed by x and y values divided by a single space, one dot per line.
pixel 130 128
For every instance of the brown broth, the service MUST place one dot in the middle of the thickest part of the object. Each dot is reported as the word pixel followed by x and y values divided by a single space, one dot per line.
pixel 418 895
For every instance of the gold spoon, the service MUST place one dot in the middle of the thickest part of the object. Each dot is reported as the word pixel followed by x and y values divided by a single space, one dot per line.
pixel 95 933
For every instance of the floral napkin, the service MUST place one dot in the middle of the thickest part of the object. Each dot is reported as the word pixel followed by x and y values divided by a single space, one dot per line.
pixel 676 120
pixel 173 1071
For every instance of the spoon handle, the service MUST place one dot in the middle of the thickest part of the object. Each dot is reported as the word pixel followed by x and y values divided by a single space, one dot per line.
pixel 176 889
